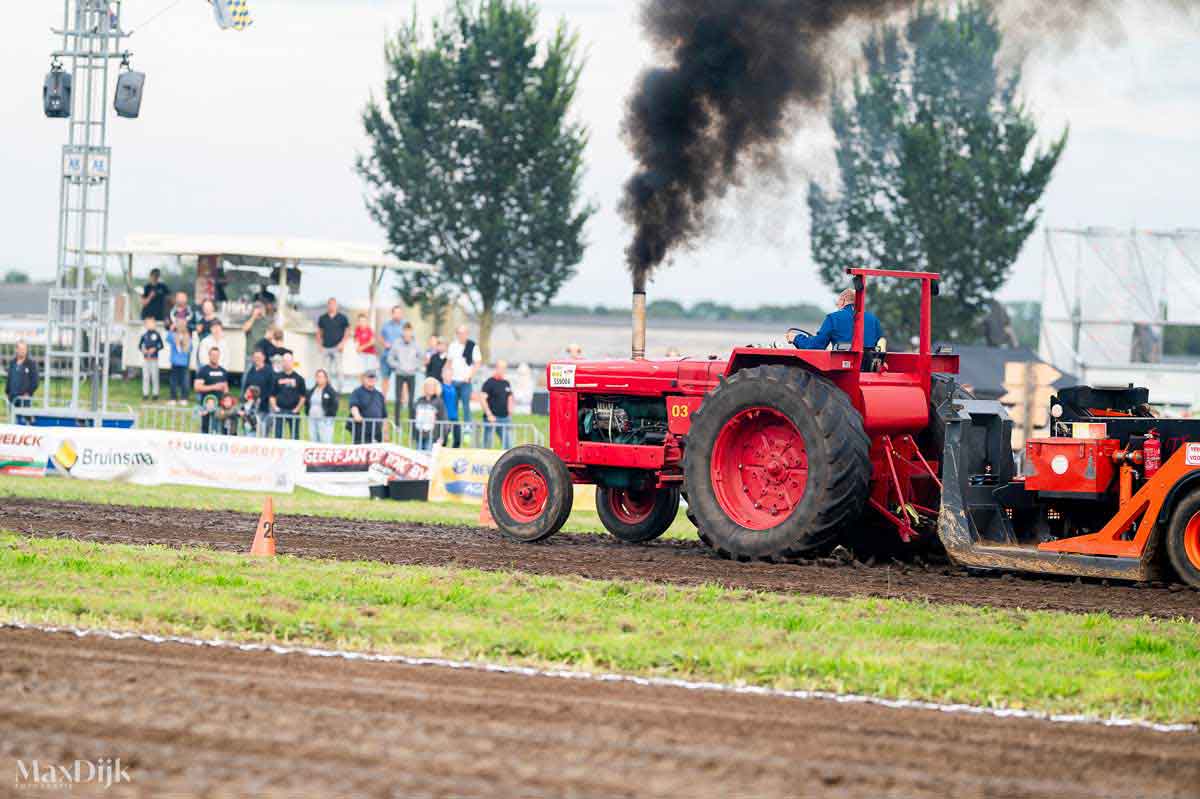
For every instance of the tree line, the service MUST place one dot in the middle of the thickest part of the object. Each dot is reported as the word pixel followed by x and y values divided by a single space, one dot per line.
pixel 475 162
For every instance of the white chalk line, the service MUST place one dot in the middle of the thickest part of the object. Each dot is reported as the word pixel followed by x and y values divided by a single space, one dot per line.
pixel 585 676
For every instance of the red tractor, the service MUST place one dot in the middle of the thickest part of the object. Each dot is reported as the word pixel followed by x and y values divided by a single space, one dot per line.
pixel 781 452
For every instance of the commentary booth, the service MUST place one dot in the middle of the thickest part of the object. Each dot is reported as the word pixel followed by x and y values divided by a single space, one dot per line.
pixel 232 270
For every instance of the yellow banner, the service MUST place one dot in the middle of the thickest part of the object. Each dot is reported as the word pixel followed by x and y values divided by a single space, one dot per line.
pixel 460 475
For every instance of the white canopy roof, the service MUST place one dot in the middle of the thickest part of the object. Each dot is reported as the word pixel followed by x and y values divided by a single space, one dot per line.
pixel 269 250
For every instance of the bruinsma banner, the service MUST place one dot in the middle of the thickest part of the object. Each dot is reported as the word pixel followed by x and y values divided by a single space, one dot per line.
pixel 153 457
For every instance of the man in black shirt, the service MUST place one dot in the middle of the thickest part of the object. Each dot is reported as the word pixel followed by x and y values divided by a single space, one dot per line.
pixel 22 378
pixel 497 400
pixel 287 398
pixel 333 327
pixel 368 411
pixel 151 345
pixel 154 298
pixel 211 381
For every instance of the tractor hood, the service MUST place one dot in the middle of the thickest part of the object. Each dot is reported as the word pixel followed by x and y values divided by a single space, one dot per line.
pixel 641 376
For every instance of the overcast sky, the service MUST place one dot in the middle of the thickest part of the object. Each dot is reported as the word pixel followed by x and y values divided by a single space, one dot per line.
pixel 256 132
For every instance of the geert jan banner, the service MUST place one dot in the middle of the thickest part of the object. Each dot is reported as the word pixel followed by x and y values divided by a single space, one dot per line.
pixel 350 471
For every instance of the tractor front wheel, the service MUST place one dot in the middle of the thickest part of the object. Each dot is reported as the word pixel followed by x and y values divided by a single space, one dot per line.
pixel 637 515
pixel 530 493
pixel 1183 539
pixel 777 463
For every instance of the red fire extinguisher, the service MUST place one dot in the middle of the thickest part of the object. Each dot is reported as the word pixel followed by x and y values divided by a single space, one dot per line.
pixel 1151 454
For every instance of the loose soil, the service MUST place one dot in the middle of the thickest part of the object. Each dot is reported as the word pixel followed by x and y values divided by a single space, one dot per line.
pixel 667 561
pixel 187 720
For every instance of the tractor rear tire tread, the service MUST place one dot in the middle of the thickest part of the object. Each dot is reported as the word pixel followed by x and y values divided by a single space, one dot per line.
pixel 836 442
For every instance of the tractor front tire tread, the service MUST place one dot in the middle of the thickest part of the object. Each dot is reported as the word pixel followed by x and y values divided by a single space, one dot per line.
pixel 558 504
pixel 666 507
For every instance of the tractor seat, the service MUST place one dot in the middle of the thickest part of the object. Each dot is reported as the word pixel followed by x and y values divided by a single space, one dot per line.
pixel 872 359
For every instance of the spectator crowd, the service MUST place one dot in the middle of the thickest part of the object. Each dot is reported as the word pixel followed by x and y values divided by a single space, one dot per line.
pixel 432 387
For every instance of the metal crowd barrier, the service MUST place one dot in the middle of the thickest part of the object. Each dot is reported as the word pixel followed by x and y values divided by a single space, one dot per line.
pixel 339 430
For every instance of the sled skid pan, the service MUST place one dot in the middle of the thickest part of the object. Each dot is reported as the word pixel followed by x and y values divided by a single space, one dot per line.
pixel 974 528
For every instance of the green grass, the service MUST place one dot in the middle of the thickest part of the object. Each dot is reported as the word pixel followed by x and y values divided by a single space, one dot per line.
pixel 1046 661
pixel 301 503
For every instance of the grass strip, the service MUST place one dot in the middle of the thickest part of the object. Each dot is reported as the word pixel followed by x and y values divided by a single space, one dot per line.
pixel 1054 662
pixel 302 502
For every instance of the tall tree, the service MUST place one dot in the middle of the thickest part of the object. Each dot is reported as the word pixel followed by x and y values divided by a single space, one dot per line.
pixel 475 164
pixel 938 170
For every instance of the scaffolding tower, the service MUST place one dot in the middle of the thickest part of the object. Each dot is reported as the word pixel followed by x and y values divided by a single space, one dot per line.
pixel 80 313
pixel 1109 296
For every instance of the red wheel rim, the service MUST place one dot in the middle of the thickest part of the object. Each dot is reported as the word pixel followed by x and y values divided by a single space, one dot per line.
pixel 759 468
pixel 525 493
pixel 1191 540
pixel 632 507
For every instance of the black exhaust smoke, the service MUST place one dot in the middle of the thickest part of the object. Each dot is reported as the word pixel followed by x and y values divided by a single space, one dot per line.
pixel 736 71
pixel 722 105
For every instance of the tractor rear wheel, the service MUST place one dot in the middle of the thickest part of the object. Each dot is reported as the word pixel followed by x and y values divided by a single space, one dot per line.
pixel 637 515
pixel 1183 539
pixel 530 493
pixel 777 462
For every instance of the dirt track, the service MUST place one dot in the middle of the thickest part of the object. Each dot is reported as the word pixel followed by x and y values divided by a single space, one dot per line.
pixel 684 562
pixel 187 720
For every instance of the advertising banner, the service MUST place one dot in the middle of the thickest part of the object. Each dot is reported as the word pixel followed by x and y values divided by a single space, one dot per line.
pixel 22 451
pixel 460 475
pixel 80 453
pixel 350 471
pixel 246 464
pixel 154 457
pixel 90 454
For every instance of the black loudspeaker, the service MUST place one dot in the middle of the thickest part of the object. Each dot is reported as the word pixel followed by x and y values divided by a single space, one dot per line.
pixel 541 403
pixel 128 100
pixel 56 94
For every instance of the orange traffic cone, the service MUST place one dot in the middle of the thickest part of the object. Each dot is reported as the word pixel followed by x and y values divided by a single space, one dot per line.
pixel 264 536
pixel 485 513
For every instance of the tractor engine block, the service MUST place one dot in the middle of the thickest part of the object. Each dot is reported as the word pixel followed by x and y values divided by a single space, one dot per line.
pixel 622 420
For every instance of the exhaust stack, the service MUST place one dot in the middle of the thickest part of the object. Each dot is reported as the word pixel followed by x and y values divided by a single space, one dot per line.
pixel 639 325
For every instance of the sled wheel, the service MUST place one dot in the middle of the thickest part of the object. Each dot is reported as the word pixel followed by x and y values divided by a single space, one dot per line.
pixel 530 493
pixel 1183 539
pixel 637 515
pixel 776 464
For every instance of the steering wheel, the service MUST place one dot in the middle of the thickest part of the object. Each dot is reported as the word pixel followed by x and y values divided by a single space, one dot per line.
pixel 792 332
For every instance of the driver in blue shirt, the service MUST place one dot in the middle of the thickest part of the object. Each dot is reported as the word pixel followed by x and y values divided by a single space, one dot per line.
pixel 838 327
